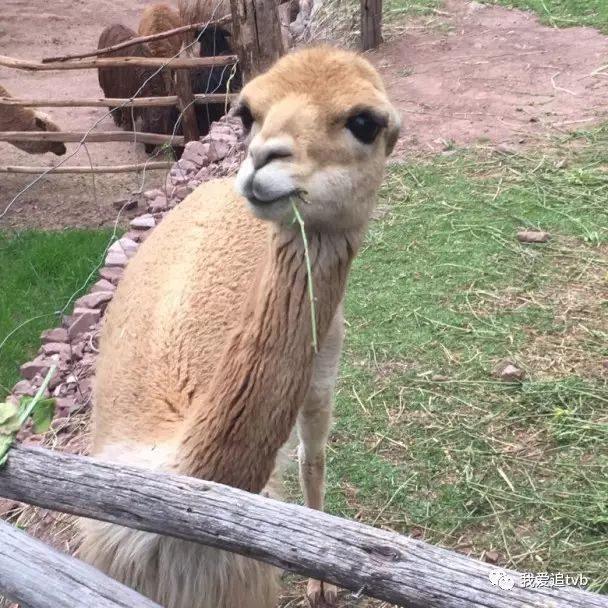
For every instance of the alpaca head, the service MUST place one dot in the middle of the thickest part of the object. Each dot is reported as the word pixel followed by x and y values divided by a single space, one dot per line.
pixel 214 41
pixel 42 122
pixel 320 128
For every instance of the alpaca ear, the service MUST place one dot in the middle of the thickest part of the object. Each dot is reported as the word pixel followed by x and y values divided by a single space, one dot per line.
pixel 392 131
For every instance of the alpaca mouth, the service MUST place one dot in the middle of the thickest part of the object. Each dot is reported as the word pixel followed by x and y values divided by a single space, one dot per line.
pixel 265 202
pixel 262 197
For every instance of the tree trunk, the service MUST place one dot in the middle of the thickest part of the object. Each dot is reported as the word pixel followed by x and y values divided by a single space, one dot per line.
pixel 257 35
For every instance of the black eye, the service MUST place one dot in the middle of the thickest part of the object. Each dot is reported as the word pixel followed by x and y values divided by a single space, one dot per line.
pixel 244 113
pixel 364 127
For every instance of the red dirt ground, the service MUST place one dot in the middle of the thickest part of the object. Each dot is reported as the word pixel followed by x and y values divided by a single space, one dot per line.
pixel 484 74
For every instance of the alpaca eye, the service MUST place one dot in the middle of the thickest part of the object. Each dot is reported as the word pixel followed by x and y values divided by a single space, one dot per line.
pixel 244 113
pixel 364 127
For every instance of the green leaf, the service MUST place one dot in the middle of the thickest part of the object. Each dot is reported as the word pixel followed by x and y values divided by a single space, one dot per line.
pixel 5 443
pixel 42 415
pixel 9 418
pixel 7 411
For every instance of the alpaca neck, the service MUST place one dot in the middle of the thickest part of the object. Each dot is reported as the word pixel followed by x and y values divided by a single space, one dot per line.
pixel 235 431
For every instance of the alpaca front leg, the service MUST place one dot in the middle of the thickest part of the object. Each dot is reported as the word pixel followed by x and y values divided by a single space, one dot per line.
pixel 313 429
pixel 314 423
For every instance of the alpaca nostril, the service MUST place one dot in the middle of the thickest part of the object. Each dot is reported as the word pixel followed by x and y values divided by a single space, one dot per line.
pixel 266 154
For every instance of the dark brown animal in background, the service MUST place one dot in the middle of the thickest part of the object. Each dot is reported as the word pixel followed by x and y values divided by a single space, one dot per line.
pixel 125 82
pixel 156 19
pixel 19 118
pixel 132 81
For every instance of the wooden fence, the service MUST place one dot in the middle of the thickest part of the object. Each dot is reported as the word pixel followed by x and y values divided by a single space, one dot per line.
pixel 366 560
pixel 184 99
pixel 258 42
pixel 39 577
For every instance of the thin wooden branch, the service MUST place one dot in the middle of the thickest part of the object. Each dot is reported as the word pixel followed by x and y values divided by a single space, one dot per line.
pixel 92 137
pixel 382 564
pixel 151 166
pixel 140 39
pixel 170 100
pixel 37 576
pixel 173 64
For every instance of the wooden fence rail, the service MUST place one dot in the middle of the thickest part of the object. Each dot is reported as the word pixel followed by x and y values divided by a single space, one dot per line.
pixel 131 168
pixel 133 41
pixel 173 64
pixel 92 137
pixel 37 576
pixel 169 100
pixel 382 564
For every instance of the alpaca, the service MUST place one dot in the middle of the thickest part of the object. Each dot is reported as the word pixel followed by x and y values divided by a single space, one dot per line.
pixel 206 358
pixel 125 82
pixel 19 118
pixel 210 80
pixel 207 80
pixel 154 20
pixel 201 11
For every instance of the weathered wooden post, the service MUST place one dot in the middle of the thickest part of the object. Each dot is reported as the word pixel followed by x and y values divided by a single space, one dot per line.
pixel 185 104
pixel 371 24
pixel 257 34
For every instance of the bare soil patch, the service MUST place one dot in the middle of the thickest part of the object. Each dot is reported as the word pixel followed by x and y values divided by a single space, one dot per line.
pixel 484 74
pixel 34 29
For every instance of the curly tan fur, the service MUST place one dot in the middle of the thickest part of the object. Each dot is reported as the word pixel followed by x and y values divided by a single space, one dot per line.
pixel 201 11
pixel 160 18
pixel 19 118
pixel 206 359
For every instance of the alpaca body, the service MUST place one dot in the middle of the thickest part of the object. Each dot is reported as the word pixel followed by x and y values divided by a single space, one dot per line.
pixel 169 345
pixel 199 577
pixel 208 356
pixel 164 353
pixel 193 576
pixel 19 118
pixel 165 349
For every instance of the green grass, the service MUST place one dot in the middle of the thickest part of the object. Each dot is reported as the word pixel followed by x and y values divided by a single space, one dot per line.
pixel 564 13
pixel 392 8
pixel 39 272
pixel 427 441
